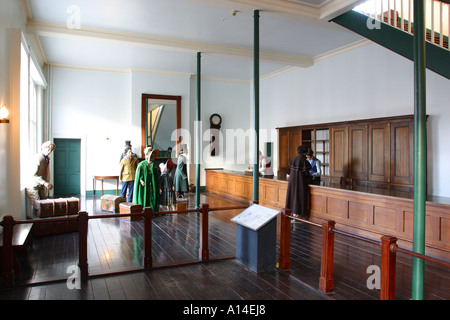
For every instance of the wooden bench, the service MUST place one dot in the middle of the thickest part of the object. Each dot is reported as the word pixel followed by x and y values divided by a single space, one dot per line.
pixel 21 239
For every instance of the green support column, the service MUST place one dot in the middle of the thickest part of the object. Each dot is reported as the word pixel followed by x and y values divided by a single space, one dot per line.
pixel 256 106
pixel 198 134
pixel 420 148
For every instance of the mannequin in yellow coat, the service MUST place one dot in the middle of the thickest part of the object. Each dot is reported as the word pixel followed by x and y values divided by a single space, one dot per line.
pixel 128 166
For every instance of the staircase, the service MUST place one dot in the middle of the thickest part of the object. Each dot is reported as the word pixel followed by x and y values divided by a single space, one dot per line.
pixel 390 23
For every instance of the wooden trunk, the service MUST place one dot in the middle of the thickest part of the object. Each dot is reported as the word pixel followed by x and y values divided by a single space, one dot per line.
pixel 129 207
pixel 59 207
pixel 111 203
pixel 53 208
pixel 73 206
pixel 43 208
pixel 56 207
pixel 181 205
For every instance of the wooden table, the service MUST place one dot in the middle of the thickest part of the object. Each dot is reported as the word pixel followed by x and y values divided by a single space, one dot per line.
pixel 102 178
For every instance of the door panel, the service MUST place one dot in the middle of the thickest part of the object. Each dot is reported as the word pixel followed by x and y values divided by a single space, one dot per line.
pixel 67 167
pixel 402 151
pixel 339 151
pixel 358 152
pixel 379 152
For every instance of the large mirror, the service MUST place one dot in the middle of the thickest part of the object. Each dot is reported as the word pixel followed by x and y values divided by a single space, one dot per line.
pixel 161 116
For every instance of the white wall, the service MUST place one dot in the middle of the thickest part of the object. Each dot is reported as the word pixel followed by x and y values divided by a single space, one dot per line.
pixel 367 82
pixel 94 107
pixel 231 100
pixel 103 109
pixel 12 23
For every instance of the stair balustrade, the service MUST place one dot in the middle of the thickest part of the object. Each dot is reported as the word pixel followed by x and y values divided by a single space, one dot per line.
pixel 399 14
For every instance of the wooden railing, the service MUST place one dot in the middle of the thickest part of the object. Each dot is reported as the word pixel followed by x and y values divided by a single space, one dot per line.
pixel 399 14
pixel 388 244
pixel 8 222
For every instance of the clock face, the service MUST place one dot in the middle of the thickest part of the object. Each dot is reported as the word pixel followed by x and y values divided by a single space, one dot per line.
pixel 216 119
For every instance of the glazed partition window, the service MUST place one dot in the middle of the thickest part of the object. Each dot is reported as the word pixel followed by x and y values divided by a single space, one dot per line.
pixel 318 140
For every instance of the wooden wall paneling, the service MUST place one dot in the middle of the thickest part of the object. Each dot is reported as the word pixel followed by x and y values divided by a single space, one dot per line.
pixel 295 139
pixel 376 152
pixel 363 213
pixel 444 228
pixel 402 155
pixel 358 152
pixel 385 218
pixel 222 186
pixel 339 152
pixel 318 204
pixel 249 190
pixel 337 207
pixel 379 152
pixel 231 185
pixel 359 212
pixel 283 152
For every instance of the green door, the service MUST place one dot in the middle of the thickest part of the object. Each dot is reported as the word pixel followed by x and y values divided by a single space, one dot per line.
pixel 67 167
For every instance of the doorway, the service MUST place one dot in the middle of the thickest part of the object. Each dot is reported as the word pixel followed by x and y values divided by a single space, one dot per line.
pixel 67 167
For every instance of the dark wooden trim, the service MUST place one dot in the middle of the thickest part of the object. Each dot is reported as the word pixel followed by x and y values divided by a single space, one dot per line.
pixel 144 98
pixel 348 122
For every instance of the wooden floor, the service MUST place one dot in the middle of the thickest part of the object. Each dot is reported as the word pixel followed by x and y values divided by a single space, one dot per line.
pixel 115 245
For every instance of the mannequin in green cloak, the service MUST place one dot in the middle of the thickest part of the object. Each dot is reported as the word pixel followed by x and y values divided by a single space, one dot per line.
pixel 146 190
pixel 181 179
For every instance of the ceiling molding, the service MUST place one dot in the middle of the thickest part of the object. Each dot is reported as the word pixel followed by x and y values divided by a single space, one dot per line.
pixel 134 70
pixel 66 66
pixel 326 11
pixel 335 8
pixel 281 6
pixel 48 29
pixel 25 7
pixel 343 49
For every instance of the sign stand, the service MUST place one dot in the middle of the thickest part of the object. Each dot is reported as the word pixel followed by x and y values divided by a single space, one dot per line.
pixel 256 237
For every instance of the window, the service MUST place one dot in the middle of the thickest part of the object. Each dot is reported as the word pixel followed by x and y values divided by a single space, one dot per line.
pixel 32 84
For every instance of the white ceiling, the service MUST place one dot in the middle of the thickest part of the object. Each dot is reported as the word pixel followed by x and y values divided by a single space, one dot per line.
pixel 165 35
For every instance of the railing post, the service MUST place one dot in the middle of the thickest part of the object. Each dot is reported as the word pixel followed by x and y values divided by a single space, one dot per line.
pixel 7 277
pixel 204 245
pixel 148 260
pixel 83 225
pixel 284 261
pixel 326 281
pixel 388 261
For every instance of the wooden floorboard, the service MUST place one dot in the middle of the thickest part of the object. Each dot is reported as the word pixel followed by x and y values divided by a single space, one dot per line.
pixel 116 244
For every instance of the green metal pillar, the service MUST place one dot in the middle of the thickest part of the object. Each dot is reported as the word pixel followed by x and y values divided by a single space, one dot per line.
pixel 198 134
pixel 420 148
pixel 256 105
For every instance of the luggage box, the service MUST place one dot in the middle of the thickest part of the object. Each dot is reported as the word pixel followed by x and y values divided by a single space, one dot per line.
pixel 180 205
pixel 56 207
pixel 129 207
pixel 111 203
pixel 73 205
pixel 43 208
pixel 59 207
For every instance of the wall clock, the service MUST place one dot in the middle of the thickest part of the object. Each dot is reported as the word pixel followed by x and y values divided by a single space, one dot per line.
pixel 214 122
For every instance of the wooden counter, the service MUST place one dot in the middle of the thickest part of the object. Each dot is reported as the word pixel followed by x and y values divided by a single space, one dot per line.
pixel 362 210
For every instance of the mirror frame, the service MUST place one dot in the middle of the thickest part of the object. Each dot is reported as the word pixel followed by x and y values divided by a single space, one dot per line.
pixel 146 96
